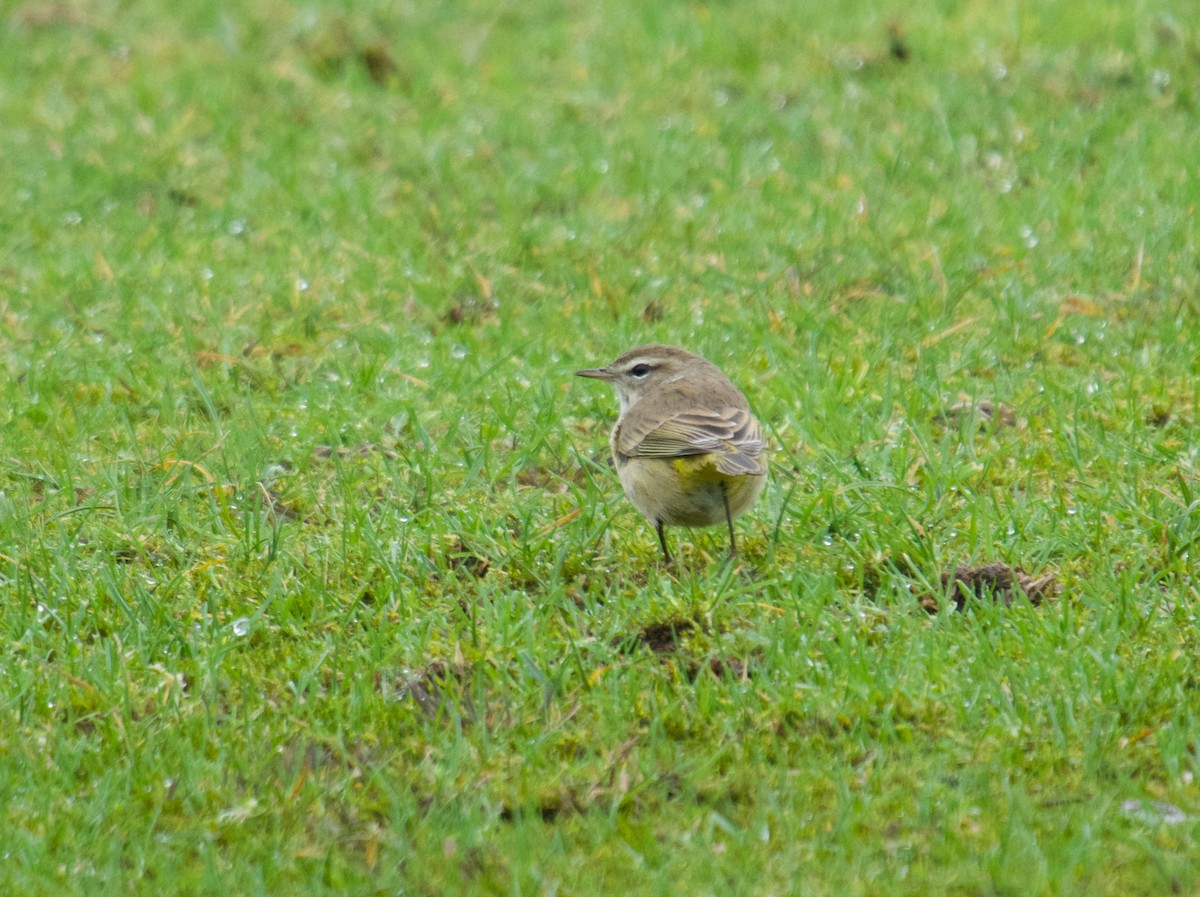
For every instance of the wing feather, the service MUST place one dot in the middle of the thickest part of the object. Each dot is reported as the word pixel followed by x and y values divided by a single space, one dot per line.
pixel 733 434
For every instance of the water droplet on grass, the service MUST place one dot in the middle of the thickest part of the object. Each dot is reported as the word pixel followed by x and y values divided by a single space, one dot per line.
pixel 301 284
pixel 458 352
pixel 240 626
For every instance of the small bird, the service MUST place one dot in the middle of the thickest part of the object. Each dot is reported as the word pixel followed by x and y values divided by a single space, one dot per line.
pixel 688 449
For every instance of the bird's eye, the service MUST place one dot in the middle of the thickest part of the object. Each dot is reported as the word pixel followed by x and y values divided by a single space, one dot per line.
pixel 640 370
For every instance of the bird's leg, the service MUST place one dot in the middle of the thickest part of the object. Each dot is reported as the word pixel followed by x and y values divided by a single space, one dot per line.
pixel 729 522
pixel 662 540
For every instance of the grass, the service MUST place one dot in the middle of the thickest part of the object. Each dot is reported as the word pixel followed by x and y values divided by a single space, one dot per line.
pixel 314 576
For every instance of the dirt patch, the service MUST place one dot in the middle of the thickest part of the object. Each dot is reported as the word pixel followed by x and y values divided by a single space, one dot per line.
pixel 1158 416
pixel 336 48
pixel 549 808
pixel 436 687
pixel 346 452
pixel 622 785
pixel 274 502
pixel 663 637
pixel 995 580
pixel 462 559
pixel 469 310
pixel 898 46
pixel 377 60
pixel 653 312
pixel 731 667
pixel 985 411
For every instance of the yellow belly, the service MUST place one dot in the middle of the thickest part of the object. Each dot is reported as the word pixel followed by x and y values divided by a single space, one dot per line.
pixel 687 491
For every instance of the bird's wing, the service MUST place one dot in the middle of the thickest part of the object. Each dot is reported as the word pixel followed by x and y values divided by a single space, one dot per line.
pixel 732 434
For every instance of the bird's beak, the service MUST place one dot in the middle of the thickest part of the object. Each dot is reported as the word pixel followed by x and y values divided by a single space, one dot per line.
pixel 596 373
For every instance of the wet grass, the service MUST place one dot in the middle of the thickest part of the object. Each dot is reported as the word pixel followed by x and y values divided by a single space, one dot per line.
pixel 314 574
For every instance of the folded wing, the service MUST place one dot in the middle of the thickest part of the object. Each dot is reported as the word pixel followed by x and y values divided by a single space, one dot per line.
pixel 732 434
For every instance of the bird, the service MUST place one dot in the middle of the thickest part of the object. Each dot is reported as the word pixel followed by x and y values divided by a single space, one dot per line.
pixel 687 448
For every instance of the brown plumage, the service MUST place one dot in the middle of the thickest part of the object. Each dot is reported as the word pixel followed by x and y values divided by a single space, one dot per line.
pixel 688 449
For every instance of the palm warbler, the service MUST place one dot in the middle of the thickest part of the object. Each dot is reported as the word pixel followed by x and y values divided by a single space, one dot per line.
pixel 688 450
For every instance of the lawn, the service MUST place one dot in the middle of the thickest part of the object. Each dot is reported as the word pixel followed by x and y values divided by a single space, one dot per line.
pixel 315 575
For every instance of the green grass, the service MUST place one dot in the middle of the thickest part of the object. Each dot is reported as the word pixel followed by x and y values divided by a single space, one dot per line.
pixel 314 577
